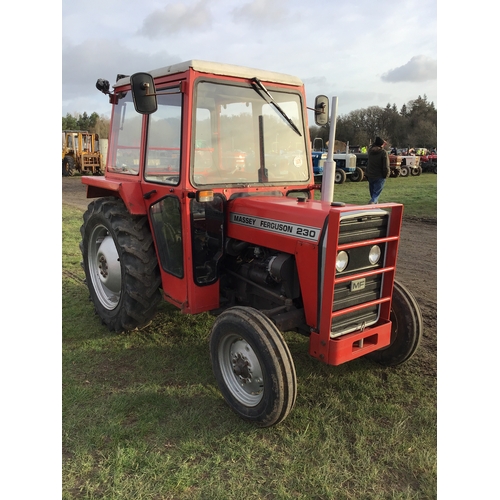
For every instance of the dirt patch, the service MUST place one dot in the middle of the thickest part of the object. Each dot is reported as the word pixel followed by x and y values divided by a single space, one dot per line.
pixel 417 269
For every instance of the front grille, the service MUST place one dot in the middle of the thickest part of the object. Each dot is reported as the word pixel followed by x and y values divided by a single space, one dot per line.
pixel 359 227
pixel 363 226
pixel 344 297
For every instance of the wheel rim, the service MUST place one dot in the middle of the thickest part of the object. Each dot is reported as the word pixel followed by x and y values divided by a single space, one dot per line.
pixel 104 267
pixel 241 370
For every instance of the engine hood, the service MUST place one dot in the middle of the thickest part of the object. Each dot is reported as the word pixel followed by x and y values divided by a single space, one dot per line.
pixel 279 223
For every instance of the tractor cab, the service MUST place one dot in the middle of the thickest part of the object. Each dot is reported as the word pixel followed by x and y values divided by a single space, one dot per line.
pixel 186 141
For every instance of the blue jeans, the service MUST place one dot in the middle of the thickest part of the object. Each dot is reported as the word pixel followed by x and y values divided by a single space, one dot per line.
pixel 375 186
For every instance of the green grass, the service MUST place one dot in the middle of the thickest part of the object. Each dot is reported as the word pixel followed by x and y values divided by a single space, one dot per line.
pixel 418 194
pixel 143 417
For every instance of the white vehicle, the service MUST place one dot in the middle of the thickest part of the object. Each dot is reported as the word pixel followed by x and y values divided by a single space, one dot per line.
pixel 410 165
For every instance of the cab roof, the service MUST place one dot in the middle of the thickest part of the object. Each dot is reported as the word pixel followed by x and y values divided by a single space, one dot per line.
pixel 220 69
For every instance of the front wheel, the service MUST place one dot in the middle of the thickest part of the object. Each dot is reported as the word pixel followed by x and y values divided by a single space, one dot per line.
pixel 406 332
pixel 253 366
pixel 340 177
pixel 416 171
pixel 405 171
pixel 120 265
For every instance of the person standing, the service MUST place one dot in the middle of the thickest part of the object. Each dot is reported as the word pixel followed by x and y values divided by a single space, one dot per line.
pixel 378 169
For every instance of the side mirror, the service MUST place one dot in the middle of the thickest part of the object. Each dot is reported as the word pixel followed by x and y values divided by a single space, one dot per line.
pixel 144 93
pixel 321 106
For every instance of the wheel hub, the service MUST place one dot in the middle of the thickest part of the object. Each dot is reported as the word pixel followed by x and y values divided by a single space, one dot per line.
pixel 103 266
pixel 241 368
pixel 108 263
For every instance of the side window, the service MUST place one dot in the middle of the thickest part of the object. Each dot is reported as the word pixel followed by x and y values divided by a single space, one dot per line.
pixel 164 140
pixel 166 221
pixel 126 134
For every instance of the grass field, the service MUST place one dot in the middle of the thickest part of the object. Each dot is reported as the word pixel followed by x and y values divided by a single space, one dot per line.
pixel 418 194
pixel 143 417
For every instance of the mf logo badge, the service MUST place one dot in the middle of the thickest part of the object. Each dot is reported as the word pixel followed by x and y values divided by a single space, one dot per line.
pixel 358 284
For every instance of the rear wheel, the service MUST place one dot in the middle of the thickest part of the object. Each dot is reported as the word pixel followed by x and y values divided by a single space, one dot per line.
pixel 120 265
pixel 407 326
pixel 396 172
pixel 68 166
pixel 416 171
pixel 357 175
pixel 253 366
pixel 340 177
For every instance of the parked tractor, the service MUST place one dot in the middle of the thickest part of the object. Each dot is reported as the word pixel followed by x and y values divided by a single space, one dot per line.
pixel 410 165
pixel 429 163
pixel 81 153
pixel 345 163
pixel 252 245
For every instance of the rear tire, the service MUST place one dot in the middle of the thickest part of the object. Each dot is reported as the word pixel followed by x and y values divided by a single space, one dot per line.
pixel 406 332
pixel 120 265
pixel 357 176
pixel 68 166
pixel 253 366
pixel 340 177
pixel 416 171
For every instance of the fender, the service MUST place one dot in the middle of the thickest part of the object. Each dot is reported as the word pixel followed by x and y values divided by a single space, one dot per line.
pixel 126 189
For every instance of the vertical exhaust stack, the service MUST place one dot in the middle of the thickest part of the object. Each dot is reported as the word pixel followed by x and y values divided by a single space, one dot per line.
pixel 329 167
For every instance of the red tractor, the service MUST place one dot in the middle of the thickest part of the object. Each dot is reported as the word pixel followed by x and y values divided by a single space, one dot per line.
pixel 246 241
pixel 429 163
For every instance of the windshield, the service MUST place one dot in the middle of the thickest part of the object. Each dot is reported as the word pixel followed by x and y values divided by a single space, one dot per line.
pixel 240 138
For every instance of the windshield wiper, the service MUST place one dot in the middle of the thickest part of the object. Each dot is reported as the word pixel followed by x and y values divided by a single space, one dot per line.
pixel 263 92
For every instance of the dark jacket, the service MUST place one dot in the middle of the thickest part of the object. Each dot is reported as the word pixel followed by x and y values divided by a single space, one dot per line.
pixel 378 163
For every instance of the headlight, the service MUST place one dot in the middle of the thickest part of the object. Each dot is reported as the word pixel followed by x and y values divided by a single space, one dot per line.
pixel 342 261
pixel 374 255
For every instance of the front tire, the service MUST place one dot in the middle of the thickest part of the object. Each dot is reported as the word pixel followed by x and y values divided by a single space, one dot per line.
pixel 405 171
pixel 416 171
pixel 406 332
pixel 253 366
pixel 340 177
pixel 120 265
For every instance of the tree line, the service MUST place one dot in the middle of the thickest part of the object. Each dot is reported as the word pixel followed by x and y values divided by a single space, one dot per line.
pixel 93 123
pixel 415 125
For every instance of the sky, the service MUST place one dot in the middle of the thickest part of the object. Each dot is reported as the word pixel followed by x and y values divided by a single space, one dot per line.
pixel 363 52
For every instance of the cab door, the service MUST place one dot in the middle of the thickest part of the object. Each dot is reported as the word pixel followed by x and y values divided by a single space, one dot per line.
pixel 185 231
pixel 162 192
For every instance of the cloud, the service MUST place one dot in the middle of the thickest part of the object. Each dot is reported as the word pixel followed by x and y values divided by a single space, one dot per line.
pixel 175 18
pixel 262 12
pixel 417 69
pixel 84 63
